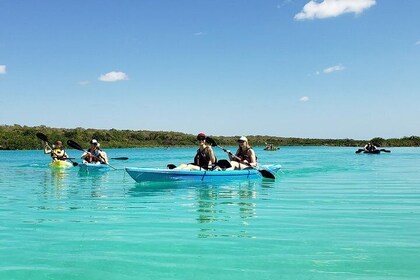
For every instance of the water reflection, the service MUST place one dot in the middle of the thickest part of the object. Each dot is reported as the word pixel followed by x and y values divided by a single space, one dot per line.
pixel 223 209
pixel 153 188
pixel 54 182
pixel 226 210
pixel 97 181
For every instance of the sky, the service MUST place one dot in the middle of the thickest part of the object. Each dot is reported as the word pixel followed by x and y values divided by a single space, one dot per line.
pixel 288 68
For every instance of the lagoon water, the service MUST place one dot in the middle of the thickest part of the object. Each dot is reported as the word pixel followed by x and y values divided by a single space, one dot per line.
pixel 331 214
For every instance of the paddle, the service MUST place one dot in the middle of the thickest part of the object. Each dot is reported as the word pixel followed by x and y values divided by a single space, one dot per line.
pixel 44 138
pixel 223 163
pixel 359 151
pixel 76 146
pixel 386 151
pixel 120 158
pixel 171 166
pixel 265 173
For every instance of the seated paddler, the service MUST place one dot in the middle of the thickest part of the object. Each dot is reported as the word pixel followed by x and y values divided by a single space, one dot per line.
pixel 244 157
pixel 57 151
pixel 204 158
pixel 94 154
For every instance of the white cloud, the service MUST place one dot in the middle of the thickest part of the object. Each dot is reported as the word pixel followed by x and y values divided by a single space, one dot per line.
pixel 113 77
pixel 334 69
pixel 304 99
pixel 199 33
pixel 332 8
pixel 418 42
pixel 2 69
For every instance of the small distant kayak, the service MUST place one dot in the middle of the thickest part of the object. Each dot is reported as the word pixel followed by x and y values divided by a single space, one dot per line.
pixel 166 175
pixel 271 149
pixel 92 167
pixel 377 151
pixel 60 164
pixel 372 152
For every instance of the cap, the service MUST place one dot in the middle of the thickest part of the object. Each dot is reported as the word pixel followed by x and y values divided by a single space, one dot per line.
pixel 243 138
pixel 201 135
pixel 94 141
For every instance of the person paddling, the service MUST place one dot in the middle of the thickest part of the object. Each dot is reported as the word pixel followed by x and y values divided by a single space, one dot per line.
pixel 204 159
pixel 57 150
pixel 94 154
pixel 245 156
pixel 370 147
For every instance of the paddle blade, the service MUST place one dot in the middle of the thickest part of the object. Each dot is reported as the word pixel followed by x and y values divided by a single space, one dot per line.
pixel 171 166
pixel 267 174
pixel 359 151
pixel 386 151
pixel 42 137
pixel 74 145
pixel 223 163
pixel 120 158
pixel 211 141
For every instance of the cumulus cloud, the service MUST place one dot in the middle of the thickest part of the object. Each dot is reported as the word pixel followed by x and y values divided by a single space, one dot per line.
pixel 334 69
pixel 113 77
pixel 304 99
pixel 332 8
pixel 2 69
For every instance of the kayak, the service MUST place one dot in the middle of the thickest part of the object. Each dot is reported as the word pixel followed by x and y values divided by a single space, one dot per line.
pixel 60 164
pixel 372 152
pixel 93 167
pixel 164 175
pixel 271 149
pixel 377 151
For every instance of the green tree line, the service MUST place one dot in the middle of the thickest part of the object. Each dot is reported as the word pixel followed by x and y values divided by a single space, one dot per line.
pixel 17 137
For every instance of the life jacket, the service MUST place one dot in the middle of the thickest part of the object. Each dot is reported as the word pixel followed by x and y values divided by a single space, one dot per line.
pixel 202 158
pixel 55 154
pixel 95 157
pixel 243 155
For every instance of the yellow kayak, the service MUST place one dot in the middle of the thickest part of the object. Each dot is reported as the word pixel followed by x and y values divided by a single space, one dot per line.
pixel 60 164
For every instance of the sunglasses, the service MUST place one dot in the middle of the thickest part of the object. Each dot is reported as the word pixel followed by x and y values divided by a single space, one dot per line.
pixel 201 138
pixel 241 141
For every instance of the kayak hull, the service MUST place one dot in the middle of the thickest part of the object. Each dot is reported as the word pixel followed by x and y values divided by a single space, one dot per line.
pixel 372 152
pixel 60 164
pixel 170 175
pixel 93 167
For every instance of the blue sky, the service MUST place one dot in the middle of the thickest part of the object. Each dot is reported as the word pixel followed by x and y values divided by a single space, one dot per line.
pixel 293 68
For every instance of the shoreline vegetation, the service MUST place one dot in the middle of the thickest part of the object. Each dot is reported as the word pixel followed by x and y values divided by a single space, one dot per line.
pixel 17 137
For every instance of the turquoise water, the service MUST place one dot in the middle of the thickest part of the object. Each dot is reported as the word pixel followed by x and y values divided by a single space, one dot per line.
pixel 332 214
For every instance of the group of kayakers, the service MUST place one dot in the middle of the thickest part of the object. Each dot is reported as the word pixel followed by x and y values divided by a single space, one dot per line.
pixel 205 159
pixel 243 158
pixel 93 155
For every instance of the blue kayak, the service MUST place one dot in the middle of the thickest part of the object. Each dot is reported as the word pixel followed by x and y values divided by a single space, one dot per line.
pixel 166 175
pixel 93 167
